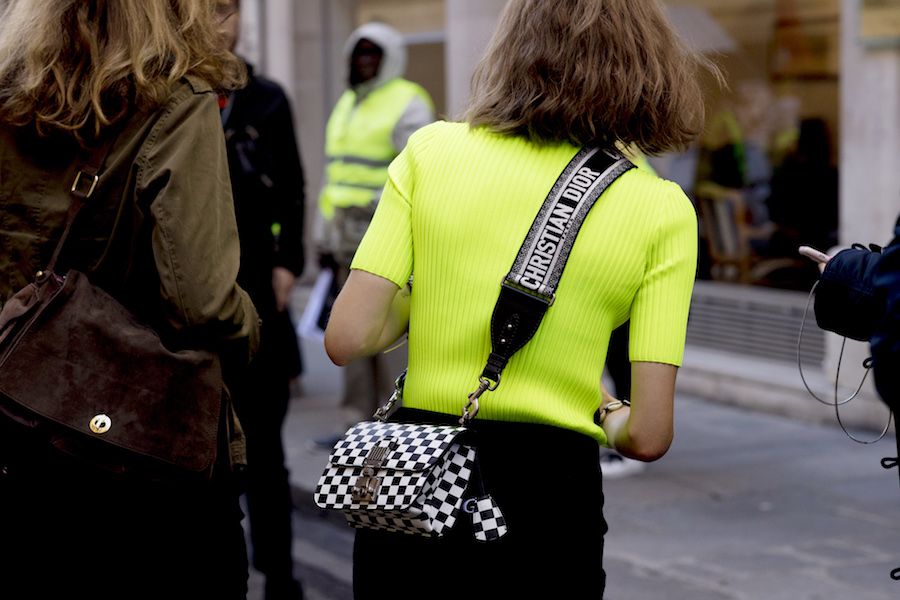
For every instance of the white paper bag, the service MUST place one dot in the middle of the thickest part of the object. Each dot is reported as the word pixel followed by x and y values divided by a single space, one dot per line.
pixel 320 300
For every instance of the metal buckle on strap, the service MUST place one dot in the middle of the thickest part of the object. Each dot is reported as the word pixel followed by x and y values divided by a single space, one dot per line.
pixel 547 299
pixel 84 179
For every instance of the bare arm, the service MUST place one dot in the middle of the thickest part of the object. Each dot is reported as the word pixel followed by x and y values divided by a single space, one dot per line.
pixel 368 315
pixel 645 430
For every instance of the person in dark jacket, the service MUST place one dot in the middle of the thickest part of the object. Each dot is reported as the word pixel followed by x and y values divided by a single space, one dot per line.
pixel 268 187
pixel 886 338
pixel 858 296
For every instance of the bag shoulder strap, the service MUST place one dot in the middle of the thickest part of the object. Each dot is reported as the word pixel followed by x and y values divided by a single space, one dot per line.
pixel 529 288
pixel 87 176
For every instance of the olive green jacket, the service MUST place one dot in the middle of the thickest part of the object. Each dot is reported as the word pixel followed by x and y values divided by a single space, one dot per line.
pixel 159 232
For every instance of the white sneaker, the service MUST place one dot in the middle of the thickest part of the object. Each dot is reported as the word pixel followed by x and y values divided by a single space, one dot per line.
pixel 616 466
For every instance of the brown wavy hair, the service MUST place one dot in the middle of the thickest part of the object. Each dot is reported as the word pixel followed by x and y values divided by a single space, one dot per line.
pixel 590 72
pixel 78 66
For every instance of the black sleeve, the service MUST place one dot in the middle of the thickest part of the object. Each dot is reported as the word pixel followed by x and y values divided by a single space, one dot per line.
pixel 886 341
pixel 846 302
pixel 288 193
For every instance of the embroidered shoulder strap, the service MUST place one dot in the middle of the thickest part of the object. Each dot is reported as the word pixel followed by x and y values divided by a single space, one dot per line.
pixel 530 287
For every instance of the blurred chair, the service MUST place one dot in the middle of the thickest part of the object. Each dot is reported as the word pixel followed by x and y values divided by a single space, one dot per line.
pixel 729 235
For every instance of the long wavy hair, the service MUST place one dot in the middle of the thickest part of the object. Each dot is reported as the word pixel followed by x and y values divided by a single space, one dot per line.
pixel 78 66
pixel 590 72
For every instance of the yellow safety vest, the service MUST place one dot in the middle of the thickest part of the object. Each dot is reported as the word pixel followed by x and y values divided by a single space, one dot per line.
pixel 358 144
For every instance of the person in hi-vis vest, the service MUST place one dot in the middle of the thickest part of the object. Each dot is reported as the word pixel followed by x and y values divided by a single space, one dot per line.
pixel 368 128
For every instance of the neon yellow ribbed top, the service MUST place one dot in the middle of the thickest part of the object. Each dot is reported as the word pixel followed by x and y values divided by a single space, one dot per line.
pixel 456 210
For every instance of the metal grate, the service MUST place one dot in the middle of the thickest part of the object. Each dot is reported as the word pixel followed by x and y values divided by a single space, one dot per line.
pixel 746 320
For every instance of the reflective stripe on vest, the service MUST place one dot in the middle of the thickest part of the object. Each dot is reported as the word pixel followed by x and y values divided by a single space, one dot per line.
pixel 359 145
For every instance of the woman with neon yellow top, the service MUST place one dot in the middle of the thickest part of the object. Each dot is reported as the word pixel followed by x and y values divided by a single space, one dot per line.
pixel 460 199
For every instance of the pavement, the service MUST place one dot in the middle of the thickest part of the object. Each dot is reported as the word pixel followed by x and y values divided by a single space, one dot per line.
pixel 745 506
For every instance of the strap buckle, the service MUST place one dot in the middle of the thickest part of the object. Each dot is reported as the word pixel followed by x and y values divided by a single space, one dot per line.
pixel 547 299
pixel 82 180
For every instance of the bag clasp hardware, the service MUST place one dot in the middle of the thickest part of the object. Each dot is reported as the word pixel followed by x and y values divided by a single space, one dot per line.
pixel 385 411
pixel 471 407
pixel 367 485
pixel 100 424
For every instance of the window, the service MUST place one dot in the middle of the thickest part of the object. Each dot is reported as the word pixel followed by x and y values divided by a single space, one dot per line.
pixel 763 175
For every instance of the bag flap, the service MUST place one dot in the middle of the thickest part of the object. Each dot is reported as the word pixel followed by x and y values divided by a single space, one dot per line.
pixel 84 362
pixel 410 447
pixel 401 495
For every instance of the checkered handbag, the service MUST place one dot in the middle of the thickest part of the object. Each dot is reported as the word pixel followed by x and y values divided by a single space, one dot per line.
pixel 398 477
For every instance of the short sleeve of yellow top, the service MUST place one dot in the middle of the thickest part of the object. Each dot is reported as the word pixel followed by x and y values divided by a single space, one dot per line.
pixel 456 209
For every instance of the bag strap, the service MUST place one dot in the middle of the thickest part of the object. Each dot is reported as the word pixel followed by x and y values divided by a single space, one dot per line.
pixel 529 288
pixel 86 178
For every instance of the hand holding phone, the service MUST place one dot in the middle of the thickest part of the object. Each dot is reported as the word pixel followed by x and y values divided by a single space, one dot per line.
pixel 815 255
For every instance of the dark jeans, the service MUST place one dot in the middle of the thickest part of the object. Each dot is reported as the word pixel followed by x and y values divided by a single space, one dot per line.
pixel 547 482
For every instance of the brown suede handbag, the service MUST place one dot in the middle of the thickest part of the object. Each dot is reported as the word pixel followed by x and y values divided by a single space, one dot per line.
pixel 79 370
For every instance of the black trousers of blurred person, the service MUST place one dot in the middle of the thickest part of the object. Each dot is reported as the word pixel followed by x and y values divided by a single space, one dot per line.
pixel 262 395
pixel 68 530
pixel 268 189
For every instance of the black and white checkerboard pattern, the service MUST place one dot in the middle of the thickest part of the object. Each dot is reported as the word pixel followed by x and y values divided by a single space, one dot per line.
pixel 424 501
pixel 435 509
pixel 417 446
pixel 487 520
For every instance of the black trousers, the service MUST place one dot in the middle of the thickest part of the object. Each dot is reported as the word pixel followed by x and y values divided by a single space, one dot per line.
pixel 68 532
pixel 547 482
pixel 263 396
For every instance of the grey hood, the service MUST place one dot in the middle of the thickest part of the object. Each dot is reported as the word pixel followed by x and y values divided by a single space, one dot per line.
pixel 393 64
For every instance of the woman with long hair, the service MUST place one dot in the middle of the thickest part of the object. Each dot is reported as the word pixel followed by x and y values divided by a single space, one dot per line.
pixel 557 76
pixel 138 78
